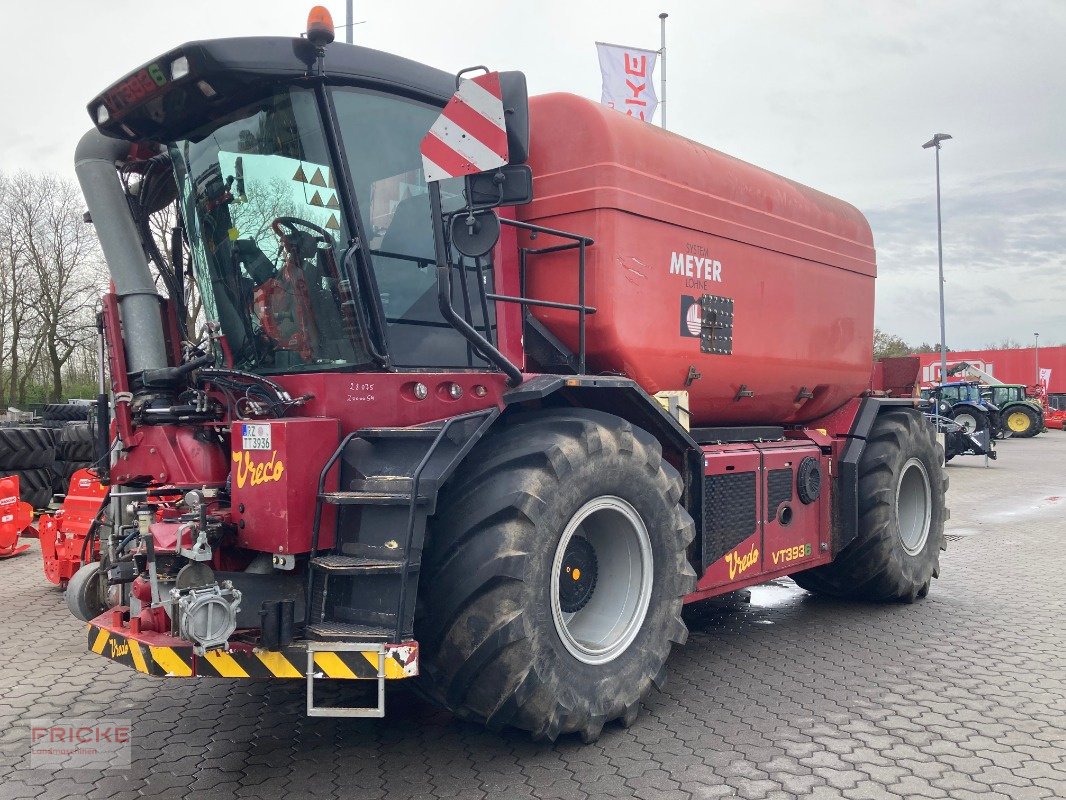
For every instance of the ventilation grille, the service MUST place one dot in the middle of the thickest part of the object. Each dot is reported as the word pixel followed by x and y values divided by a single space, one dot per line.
pixel 778 490
pixel 728 513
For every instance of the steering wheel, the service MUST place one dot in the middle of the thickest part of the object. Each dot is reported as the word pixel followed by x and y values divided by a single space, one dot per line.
pixel 292 229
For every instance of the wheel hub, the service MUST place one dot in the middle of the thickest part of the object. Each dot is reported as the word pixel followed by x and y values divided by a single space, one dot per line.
pixel 1018 421
pixel 577 579
pixel 601 580
pixel 914 506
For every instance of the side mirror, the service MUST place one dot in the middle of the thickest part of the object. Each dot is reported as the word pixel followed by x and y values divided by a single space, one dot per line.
pixel 475 233
pixel 510 185
pixel 516 114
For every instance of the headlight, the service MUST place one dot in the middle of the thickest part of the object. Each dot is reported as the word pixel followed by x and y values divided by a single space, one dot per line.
pixel 179 68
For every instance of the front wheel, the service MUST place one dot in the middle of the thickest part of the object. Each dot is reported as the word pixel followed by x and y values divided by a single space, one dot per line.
pixel 553 576
pixel 896 551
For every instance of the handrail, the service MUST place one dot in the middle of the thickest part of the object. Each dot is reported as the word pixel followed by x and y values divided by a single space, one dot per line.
pixel 416 479
pixel 364 319
pixel 444 298
pixel 578 242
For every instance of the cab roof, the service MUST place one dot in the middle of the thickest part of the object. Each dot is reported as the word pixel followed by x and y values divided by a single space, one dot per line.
pixel 159 102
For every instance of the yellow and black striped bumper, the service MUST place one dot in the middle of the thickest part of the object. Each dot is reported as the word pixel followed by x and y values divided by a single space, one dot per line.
pixel 165 658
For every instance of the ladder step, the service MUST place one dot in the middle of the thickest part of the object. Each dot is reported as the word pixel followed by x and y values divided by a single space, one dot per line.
pixel 332 630
pixel 421 432
pixel 356 565
pixel 372 551
pixel 382 483
pixel 363 498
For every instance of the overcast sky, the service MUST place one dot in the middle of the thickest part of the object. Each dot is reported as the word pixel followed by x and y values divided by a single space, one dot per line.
pixel 837 95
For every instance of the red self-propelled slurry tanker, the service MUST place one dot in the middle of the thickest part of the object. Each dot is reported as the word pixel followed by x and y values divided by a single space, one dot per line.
pixel 484 388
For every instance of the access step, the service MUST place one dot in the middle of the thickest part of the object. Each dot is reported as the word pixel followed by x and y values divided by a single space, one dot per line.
pixel 422 432
pixel 332 630
pixel 368 498
pixel 358 565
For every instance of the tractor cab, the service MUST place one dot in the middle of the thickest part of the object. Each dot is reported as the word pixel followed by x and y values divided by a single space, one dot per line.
pixel 304 203
pixel 963 402
pixel 1020 415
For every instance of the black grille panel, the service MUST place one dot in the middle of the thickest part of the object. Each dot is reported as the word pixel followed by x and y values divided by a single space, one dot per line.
pixel 778 490
pixel 729 513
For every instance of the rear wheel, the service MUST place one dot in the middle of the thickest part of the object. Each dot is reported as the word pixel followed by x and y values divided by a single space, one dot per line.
pixel 970 420
pixel 1022 422
pixel 896 552
pixel 553 576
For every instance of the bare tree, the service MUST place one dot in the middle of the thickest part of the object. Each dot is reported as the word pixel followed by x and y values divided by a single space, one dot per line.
pixel 22 347
pixel 58 262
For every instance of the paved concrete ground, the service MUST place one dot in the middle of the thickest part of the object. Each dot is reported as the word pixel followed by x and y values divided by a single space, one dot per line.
pixel 961 696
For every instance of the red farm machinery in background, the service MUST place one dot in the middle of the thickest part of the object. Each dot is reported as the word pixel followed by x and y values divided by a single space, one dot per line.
pixel 16 518
pixel 489 386
pixel 68 536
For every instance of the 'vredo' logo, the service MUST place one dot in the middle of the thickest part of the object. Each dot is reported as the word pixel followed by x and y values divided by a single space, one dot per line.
pixel 255 472
pixel 739 564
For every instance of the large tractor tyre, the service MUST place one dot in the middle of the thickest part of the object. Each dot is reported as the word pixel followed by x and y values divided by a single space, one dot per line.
pixel 66 412
pixel 26 448
pixel 76 443
pixel 63 471
pixel 970 420
pixel 35 485
pixel 553 576
pixel 1022 422
pixel 896 553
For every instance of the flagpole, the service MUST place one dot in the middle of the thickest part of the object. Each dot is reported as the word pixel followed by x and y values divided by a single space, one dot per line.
pixel 662 67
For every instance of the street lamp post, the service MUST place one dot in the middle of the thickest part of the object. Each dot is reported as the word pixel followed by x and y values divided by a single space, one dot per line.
pixel 935 143
pixel 1036 356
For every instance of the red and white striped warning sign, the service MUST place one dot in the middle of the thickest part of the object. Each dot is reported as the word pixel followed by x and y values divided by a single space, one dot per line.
pixel 469 136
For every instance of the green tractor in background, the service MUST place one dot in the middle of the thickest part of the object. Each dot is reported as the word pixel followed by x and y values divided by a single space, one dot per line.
pixel 1019 416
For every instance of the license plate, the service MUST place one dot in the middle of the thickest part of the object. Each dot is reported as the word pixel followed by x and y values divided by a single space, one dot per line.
pixel 255 437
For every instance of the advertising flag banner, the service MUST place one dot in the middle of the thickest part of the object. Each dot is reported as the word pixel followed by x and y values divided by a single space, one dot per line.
pixel 628 84
pixel 1045 378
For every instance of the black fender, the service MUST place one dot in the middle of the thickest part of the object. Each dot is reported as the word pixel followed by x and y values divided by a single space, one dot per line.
pixel 626 399
pixel 845 510
pixel 971 407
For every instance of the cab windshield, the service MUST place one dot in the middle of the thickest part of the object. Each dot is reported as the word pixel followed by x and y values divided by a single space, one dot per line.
pixel 267 237
pixel 1006 394
pixel 961 392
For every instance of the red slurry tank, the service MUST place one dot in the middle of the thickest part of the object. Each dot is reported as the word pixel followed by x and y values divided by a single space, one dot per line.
pixel 702 264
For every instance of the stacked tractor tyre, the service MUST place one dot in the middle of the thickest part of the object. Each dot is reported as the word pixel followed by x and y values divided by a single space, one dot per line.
pixel 74 451
pixel 29 453
pixel 46 453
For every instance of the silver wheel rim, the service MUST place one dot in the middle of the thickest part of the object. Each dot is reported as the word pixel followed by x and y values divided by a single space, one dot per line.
pixel 914 506
pixel 967 421
pixel 609 620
